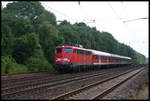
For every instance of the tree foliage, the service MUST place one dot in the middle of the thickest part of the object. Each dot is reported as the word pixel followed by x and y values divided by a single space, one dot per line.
pixel 25 46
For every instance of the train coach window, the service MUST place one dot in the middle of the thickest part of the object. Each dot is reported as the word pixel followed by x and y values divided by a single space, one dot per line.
pixel 89 53
pixel 58 50
pixel 110 58
pixel 68 50
pixel 102 58
pixel 95 57
pixel 107 58
pixel 114 59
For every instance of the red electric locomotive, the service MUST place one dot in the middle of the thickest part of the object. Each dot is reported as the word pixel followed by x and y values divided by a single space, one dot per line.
pixel 72 58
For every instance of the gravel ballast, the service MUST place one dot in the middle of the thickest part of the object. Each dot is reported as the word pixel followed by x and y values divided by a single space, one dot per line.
pixel 129 88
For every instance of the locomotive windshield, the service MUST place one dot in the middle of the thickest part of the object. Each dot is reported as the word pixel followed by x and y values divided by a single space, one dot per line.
pixel 68 50
pixel 58 50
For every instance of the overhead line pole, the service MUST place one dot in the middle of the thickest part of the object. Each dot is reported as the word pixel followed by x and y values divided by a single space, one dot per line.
pixel 91 21
pixel 90 39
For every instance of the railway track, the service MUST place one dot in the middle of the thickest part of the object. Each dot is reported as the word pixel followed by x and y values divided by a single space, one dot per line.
pixel 47 82
pixel 32 87
pixel 34 79
pixel 99 90
pixel 24 82
pixel 39 87
pixel 36 88
pixel 15 79
pixel 10 78
pixel 23 77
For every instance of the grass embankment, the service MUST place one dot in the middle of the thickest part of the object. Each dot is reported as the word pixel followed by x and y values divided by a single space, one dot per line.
pixel 142 92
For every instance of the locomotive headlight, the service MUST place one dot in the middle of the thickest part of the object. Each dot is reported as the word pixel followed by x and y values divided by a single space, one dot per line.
pixel 58 59
pixel 66 59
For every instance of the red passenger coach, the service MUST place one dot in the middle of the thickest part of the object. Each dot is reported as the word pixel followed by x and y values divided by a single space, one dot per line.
pixel 71 58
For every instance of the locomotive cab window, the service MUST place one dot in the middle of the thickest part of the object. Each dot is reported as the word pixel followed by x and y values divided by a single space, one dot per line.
pixel 80 51
pixel 58 50
pixel 87 53
pixel 68 50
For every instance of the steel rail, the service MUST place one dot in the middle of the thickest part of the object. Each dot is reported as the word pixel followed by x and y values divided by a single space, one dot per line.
pixel 35 83
pixel 109 90
pixel 71 93
pixel 50 84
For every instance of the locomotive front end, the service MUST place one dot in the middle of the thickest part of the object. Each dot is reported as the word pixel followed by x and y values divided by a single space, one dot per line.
pixel 62 58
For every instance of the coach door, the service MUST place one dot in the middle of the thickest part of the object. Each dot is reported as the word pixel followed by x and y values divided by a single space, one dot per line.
pixel 99 59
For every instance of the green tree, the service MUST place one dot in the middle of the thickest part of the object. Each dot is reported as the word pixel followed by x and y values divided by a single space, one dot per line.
pixel 18 25
pixel 32 10
pixel 25 47
pixel 7 41
pixel 25 9
pixel 49 39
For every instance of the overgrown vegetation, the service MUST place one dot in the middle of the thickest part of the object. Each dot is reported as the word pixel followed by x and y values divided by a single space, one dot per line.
pixel 142 92
pixel 30 34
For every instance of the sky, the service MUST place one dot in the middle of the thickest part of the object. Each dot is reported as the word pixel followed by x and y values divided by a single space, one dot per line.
pixel 120 18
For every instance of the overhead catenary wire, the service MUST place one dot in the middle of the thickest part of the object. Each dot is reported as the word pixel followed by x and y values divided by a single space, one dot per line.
pixel 124 9
pixel 114 11
pixel 87 22
pixel 85 14
pixel 61 14
pixel 135 19
pixel 125 25
pixel 122 3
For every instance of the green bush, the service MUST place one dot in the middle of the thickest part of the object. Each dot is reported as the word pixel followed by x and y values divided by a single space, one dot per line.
pixel 9 65
pixel 18 68
pixel 37 64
